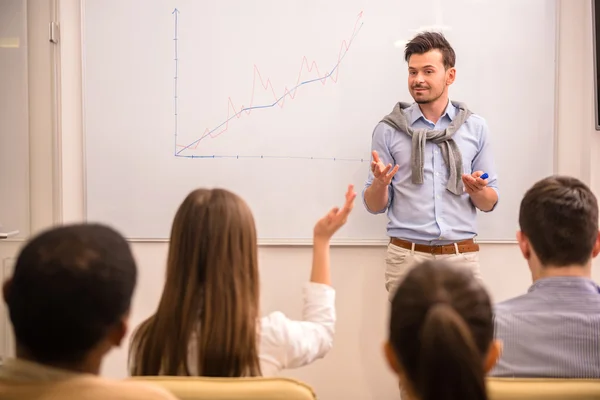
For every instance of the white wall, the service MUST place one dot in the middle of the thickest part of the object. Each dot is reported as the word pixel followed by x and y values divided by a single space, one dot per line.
pixel 355 368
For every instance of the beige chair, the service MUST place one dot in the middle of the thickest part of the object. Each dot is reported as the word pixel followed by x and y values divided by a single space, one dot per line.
pixel 546 389
pixel 201 388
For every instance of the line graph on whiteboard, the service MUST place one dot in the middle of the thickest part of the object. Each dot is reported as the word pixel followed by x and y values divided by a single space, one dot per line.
pixel 280 100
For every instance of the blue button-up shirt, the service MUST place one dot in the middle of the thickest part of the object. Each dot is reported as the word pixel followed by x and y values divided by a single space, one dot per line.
pixel 552 331
pixel 428 213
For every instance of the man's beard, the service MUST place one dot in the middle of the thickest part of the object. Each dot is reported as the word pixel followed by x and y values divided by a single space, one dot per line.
pixel 429 100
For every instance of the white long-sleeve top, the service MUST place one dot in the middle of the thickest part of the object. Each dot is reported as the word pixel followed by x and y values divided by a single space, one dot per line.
pixel 286 343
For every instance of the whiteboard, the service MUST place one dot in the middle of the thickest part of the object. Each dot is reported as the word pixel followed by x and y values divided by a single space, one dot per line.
pixel 277 101
pixel 14 119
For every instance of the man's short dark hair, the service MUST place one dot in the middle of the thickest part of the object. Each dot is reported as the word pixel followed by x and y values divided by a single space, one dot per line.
pixel 70 285
pixel 427 41
pixel 559 216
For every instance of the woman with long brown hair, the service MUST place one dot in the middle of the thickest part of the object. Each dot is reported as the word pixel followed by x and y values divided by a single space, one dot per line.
pixel 208 318
pixel 441 334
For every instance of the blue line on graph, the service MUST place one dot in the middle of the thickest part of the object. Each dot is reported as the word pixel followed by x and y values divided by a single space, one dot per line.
pixel 279 99
pixel 264 106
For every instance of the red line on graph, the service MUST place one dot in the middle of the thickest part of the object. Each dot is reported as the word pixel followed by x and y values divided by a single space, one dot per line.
pixel 231 108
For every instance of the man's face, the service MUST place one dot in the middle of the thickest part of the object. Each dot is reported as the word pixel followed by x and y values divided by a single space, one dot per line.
pixel 428 80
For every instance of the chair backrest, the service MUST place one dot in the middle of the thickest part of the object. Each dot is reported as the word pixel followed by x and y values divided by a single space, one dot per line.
pixel 202 388
pixel 543 388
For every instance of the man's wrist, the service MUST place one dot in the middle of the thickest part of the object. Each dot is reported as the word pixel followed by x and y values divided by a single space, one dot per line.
pixel 377 184
pixel 479 193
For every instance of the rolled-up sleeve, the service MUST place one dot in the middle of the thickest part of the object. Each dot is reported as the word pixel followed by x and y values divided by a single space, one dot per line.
pixel 287 343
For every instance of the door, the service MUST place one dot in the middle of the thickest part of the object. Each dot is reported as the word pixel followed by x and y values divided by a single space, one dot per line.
pixel 27 121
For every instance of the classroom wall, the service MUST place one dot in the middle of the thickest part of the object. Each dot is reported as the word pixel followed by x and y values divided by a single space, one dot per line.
pixel 354 369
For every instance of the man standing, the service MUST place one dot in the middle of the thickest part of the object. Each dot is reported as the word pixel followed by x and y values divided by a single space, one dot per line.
pixel 443 168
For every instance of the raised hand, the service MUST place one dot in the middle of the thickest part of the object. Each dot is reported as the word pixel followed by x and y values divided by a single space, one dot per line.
pixel 382 172
pixel 336 217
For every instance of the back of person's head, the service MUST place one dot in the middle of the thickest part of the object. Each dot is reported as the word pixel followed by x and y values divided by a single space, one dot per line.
pixel 70 294
pixel 211 294
pixel 559 222
pixel 441 333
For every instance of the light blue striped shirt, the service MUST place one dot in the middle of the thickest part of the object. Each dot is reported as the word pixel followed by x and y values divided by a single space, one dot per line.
pixel 552 331
pixel 429 213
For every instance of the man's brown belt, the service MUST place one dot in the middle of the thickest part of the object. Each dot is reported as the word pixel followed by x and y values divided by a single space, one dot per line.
pixel 466 246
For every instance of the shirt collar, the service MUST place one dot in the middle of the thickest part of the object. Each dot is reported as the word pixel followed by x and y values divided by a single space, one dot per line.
pixel 566 282
pixel 415 112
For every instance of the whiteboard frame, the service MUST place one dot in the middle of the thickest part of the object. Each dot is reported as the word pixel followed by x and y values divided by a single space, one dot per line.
pixel 595 31
pixel 308 242
pixel 266 242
